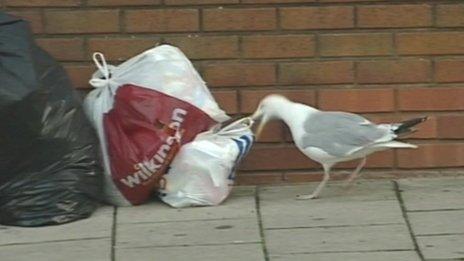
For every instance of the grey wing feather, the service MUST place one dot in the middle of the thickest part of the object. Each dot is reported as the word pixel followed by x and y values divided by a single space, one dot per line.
pixel 339 133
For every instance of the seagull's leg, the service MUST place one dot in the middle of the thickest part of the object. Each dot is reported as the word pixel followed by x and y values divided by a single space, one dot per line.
pixel 321 185
pixel 355 173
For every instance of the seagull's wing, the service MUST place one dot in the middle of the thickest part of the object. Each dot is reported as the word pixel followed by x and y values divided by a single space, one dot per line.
pixel 341 134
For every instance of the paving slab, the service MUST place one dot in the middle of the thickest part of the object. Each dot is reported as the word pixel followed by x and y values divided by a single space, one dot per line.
pixel 240 204
pixel 334 191
pixel 88 250
pixel 357 256
pixel 97 226
pixel 313 213
pixel 337 239
pixel 432 194
pixel 436 223
pixel 442 247
pixel 237 252
pixel 196 232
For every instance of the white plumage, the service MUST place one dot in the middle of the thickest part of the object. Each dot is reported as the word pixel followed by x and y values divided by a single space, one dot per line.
pixel 332 137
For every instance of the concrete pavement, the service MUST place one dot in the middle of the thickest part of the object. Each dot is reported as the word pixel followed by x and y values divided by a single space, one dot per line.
pixel 409 219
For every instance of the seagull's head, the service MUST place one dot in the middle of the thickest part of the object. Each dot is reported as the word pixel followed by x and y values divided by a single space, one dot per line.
pixel 268 109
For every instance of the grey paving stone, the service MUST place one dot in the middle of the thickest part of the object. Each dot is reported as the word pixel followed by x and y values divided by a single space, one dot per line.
pixel 441 222
pixel 364 256
pixel 197 232
pixel 240 204
pixel 433 194
pixel 238 252
pixel 334 191
pixel 88 250
pixel 442 247
pixel 97 226
pixel 297 213
pixel 336 239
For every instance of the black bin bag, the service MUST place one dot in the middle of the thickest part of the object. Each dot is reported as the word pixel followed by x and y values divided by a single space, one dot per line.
pixel 49 170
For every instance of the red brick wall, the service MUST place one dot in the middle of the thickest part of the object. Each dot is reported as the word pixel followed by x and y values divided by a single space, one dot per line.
pixel 388 60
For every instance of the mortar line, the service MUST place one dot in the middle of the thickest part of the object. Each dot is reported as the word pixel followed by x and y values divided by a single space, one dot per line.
pixel 439 235
pixel 334 226
pixel 194 245
pixel 435 210
pixel 406 219
pixel 350 251
pixel 260 224
pixel 51 241
pixel 113 235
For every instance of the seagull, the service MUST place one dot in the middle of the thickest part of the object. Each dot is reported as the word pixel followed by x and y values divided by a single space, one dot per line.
pixel 330 137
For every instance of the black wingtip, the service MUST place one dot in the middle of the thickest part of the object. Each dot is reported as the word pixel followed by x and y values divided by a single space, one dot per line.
pixel 405 126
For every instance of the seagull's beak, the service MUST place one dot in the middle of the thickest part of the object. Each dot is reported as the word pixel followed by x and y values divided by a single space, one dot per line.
pixel 263 120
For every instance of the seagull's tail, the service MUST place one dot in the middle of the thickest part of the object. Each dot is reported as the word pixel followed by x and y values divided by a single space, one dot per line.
pixel 405 127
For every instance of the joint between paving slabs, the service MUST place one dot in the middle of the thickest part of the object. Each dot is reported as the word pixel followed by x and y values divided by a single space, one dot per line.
pixel 260 224
pixel 400 199
pixel 113 235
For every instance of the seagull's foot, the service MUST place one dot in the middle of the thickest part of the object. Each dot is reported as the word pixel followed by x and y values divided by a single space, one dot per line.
pixel 307 196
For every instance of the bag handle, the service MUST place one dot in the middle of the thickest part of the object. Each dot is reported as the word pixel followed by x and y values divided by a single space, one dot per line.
pixel 100 61
pixel 232 128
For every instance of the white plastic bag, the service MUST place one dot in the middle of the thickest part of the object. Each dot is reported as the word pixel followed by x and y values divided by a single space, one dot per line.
pixel 139 108
pixel 203 171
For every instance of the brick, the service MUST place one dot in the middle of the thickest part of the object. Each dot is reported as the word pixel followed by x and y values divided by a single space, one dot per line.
pixel 207 47
pixel 244 178
pixel 432 156
pixel 64 49
pixel 316 17
pixel 227 100
pixel 426 130
pixel 381 159
pixel 162 20
pixel 365 100
pixel 199 2
pixel 430 43
pixel 348 1
pixel 383 118
pixel 394 16
pixel 276 158
pixel 45 3
pixel 249 19
pixel 449 70
pixel 276 1
pixel 329 72
pixel 311 176
pixel 122 2
pixel 393 71
pixel 450 127
pixel 80 75
pixel 273 132
pixel 431 99
pixel 33 17
pixel 251 98
pixel 280 46
pixel 450 15
pixel 239 74
pixel 120 49
pixel 355 44
pixel 80 21
pixel 287 133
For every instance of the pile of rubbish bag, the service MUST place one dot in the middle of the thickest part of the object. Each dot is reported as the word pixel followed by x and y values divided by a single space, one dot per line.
pixel 49 166
pixel 149 127
pixel 145 110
